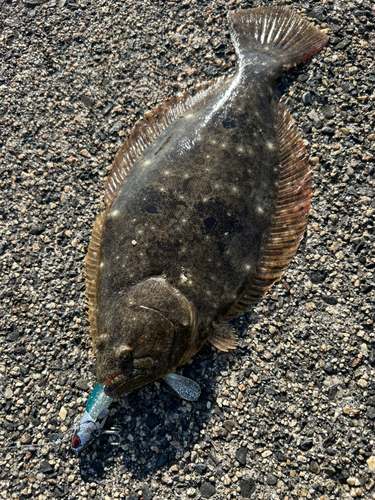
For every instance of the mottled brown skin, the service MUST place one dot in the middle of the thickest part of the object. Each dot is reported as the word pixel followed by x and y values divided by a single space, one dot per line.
pixel 204 210
pixel 186 230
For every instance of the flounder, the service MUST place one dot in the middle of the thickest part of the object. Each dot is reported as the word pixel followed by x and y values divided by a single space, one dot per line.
pixel 205 207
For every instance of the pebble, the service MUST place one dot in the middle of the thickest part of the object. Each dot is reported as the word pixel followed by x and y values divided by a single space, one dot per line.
pixel 63 413
pixel 313 115
pixel 8 394
pixel 371 463
pixel 207 490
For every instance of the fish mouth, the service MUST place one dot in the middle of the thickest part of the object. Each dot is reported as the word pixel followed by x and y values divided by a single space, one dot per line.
pixel 121 383
pixel 109 379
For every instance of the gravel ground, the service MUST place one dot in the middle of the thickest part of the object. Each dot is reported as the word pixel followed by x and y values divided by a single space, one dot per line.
pixel 290 413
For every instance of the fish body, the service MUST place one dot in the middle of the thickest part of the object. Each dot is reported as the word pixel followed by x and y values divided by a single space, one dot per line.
pixel 206 204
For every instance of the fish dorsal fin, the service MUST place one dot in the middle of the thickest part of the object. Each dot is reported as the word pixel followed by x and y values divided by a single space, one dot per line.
pixel 148 129
pixel 91 268
pixel 290 219
pixel 224 338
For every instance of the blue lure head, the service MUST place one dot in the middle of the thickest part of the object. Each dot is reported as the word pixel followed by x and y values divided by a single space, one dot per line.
pixel 93 419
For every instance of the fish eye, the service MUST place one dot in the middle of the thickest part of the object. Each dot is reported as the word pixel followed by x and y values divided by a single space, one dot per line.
pixel 123 354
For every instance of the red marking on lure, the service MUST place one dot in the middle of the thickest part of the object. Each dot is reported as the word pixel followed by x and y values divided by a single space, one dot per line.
pixel 76 442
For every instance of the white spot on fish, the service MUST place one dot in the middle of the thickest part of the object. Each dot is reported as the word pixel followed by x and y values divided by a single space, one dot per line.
pixel 183 278
pixel 217 186
pixel 146 163
pixel 186 176
pixel 162 189
pixel 207 156
pixel 223 145
pixel 189 116
pixel 114 213
pixel 270 145
pixel 250 151
pixel 235 189
pixel 102 264
pixel 240 149
pixel 166 172
pixel 260 209
pixel 247 267
pixel 213 141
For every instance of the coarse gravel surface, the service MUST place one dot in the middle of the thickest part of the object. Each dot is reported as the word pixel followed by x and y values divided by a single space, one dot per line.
pixel 291 412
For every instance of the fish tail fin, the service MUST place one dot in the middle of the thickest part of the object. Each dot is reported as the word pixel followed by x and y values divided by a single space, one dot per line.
pixel 277 31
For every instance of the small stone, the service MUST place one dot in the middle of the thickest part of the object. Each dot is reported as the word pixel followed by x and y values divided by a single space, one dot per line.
pixel 82 384
pixel 328 368
pixel 207 490
pixel 146 493
pixel 343 44
pixel 266 453
pixel 241 454
pixel 191 492
pixel 229 425
pixel 116 127
pixel 46 467
pixel 8 393
pixel 353 481
pixel 306 98
pixel 371 401
pixel 37 229
pixel 87 101
pixel 26 438
pixel 371 463
pixel 63 413
pixel 85 153
pixel 313 115
pixel 314 467
pixel 328 130
pixel 329 111
pixel 247 487
pixel 271 479
pixel 317 12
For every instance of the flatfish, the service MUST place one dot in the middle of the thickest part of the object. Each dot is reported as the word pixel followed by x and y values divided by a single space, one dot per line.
pixel 205 207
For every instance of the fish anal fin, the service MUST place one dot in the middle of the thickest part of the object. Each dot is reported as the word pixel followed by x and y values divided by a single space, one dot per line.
pixel 92 262
pixel 290 218
pixel 148 129
pixel 224 338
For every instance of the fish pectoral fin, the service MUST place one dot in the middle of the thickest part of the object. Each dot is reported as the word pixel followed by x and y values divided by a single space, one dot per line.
pixel 224 338
pixel 185 387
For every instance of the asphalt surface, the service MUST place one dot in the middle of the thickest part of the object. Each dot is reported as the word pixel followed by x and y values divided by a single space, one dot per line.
pixel 290 413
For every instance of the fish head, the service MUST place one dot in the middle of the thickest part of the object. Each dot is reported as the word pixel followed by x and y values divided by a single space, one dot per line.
pixel 148 332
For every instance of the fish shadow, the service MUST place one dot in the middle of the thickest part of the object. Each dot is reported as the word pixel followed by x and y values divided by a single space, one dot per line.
pixel 160 430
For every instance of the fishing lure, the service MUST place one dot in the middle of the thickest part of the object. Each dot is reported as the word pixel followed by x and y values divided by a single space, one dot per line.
pixel 93 420
pixel 96 412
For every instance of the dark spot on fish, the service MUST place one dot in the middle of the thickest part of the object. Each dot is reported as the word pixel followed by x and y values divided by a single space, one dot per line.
pixel 163 145
pixel 228 123
pixel 152 210
pixel 210 223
